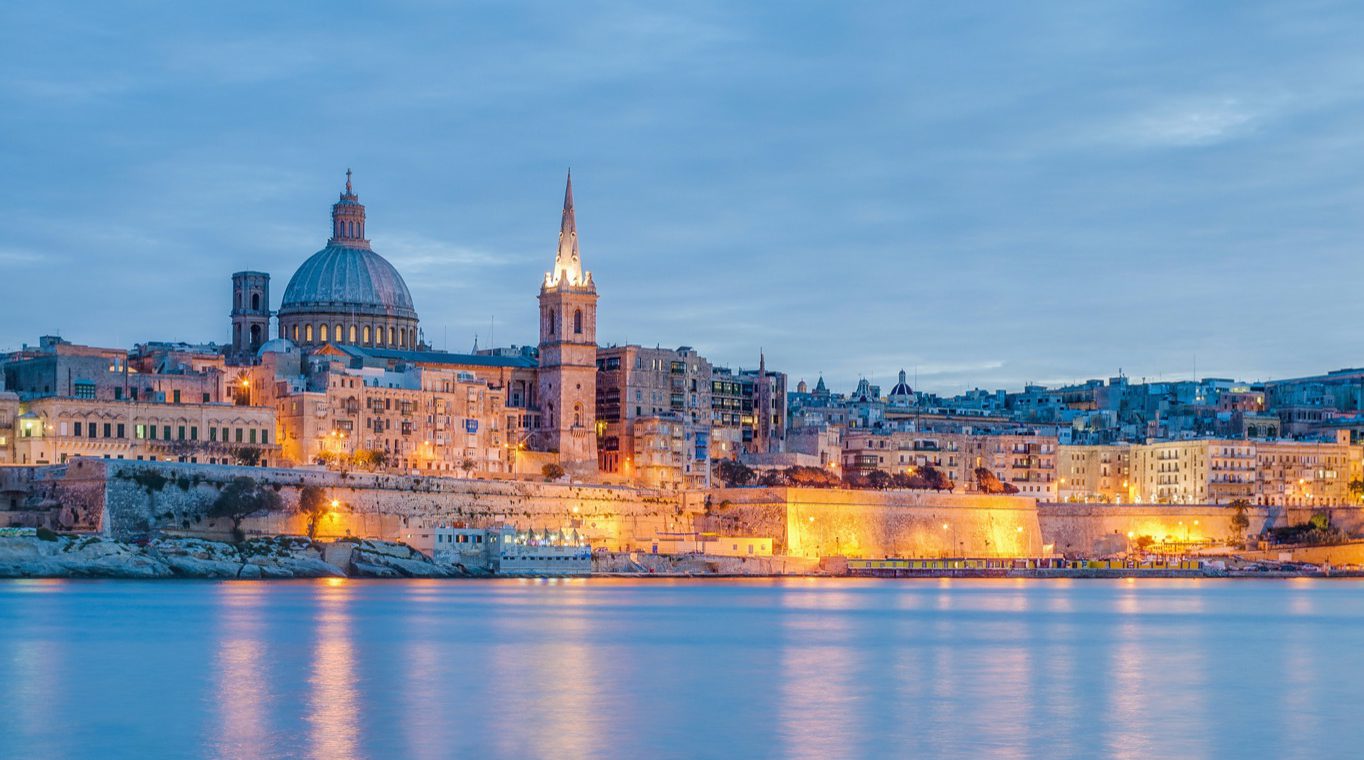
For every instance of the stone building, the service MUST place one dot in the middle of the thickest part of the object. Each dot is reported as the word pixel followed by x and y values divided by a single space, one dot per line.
pixel 636 383
pixel 346 293
pixel 567 380
pixel 52 429
pixel 347 313
pixel 1095 474
pixel 1025 459
pixel 154 373
pixel 411 420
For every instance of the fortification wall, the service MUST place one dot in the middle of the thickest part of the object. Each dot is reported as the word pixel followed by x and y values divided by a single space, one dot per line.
pixel 1092 530
pixel 142 497
pixel 815 522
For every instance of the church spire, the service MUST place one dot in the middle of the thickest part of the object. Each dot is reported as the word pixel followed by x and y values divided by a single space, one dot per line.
pixel 568 266
pixel 348 219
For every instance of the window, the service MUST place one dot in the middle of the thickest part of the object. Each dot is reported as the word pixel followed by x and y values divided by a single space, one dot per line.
pixel 176 396
pixel 165 432
pixel 84 389
pixel 181 431
pixel 352 333
pixel 78 430
pixel 295 333
pixel 578 322
pixel 307 333
pixel 108 430
pixel 253 435
pixel 550 327
pixel 339 334
pixel 255 301
pixel 122 433
pixel 322 335
pixel 140 431
pixel 367 333
pixel 212 433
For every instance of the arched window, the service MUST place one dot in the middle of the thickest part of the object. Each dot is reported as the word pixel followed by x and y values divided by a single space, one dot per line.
pixel 550 327
pixel 237 300
pixel 295 333
pixel 402 337
pixel 324 334
pixel 255 302
pixel 307 333
pixel 577 415
pixel 392 335
pixel 578 322
pixel 340 334
pixel 255 336
pixel 367 334
pixel 352 333
pixel 549 415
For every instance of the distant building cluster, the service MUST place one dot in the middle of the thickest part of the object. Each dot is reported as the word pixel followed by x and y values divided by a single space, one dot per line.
pixel 340 376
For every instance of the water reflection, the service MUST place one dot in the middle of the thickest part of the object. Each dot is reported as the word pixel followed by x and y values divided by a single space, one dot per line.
pixel 544 678
pixel 818 711
pixel 240 691
pixel 333 704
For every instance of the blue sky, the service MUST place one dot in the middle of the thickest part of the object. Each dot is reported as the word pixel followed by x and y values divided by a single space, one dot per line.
pixel 991 193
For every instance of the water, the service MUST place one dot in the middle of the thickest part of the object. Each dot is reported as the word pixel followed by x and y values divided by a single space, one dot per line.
pixel 656 668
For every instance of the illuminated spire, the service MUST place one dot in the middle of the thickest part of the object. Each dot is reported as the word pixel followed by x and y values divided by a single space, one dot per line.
pixel 568 267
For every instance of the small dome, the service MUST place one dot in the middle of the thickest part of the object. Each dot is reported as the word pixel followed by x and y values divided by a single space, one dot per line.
pixel 348 280
pixel 277 346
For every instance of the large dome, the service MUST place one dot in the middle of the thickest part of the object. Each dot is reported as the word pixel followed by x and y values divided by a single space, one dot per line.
pixel 348 280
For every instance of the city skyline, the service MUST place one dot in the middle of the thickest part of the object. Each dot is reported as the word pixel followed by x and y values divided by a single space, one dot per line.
pixel 1068 205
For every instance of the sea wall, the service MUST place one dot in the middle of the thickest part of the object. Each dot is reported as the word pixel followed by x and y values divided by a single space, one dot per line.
pixel 1095 530
pixel 815 522
pixel 175 498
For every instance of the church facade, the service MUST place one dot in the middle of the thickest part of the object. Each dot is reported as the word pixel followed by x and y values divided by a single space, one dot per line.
pixel 348 312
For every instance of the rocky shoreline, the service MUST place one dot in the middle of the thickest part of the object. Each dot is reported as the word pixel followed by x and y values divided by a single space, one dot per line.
pixel 91 556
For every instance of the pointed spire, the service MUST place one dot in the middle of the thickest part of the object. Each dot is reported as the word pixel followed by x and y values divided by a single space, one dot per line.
pixel 348 188
pixel 568 266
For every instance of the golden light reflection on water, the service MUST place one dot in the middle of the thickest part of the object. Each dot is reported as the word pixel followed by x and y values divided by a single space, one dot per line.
pixel 333 701
pixel 817 709
pixel 427 725
pixel 241 680
pixel 544 683
pixel 1155 704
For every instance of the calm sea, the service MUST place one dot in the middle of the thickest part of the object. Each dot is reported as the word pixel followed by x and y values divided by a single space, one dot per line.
pixel 662 669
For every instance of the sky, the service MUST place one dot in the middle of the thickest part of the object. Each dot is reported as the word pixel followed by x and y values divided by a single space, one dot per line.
pixel 983 194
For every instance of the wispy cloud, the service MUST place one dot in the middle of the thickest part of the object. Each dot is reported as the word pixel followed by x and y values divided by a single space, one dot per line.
pixel 1192 122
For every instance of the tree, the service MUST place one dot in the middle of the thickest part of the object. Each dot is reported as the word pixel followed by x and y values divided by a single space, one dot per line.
pixel 552 471
pixel 879 479
pixel 313 503
pixel 936 479
pixel 1357 488
pixel 988 482
pixel 1320 522
pixel 1144 543
pixel 241 498
pixel 1240 521
pixel 733 472
pixel 467 465
pixel 248 456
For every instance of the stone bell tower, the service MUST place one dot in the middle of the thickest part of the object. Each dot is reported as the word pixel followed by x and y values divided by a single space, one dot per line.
pixel 250 313
pixel 567 380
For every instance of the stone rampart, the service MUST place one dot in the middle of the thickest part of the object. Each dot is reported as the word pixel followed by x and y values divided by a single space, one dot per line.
pixel 142 497
pixel 815 522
